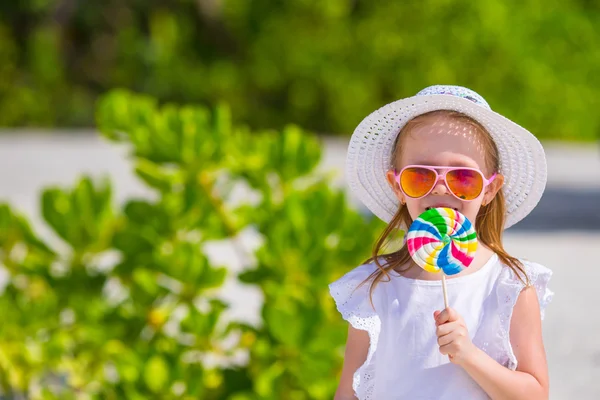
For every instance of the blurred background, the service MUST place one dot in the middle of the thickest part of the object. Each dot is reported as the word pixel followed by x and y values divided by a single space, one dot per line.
pixel 173 199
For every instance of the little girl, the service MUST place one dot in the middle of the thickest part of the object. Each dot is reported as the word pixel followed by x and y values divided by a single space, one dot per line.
pixel 444 147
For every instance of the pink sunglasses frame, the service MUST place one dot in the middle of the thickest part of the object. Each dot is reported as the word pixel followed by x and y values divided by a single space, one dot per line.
pixel 442 176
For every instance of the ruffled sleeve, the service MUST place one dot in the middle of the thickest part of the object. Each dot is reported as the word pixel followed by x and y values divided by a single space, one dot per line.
pixel 352 301
pixel 509 288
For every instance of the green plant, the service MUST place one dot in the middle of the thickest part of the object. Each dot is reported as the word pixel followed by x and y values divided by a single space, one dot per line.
pixel 320 64
pixel 129 307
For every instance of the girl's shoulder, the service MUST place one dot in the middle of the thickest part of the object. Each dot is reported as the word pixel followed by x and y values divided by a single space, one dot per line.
pixel 510 283
pixel 357 275
pixel 533 270
pixel 353 297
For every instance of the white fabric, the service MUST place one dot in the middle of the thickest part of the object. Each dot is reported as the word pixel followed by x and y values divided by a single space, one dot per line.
pixel 522 158
pixel 403 361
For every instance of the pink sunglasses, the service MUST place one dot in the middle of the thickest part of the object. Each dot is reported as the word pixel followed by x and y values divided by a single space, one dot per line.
pixel 464 183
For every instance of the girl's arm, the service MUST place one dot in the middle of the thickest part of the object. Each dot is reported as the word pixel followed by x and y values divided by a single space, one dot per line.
pixel 530 380
pixel 357 347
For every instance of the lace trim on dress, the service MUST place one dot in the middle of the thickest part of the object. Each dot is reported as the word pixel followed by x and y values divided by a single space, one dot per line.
pixel 354 305
pixel 509 288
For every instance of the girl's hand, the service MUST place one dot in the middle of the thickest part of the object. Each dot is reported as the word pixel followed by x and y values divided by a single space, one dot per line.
pixel 453 336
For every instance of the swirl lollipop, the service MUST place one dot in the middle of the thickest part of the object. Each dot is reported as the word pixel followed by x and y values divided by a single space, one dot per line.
pixel 442 240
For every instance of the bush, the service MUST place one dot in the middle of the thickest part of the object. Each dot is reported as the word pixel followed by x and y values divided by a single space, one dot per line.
pixel 320 64
pixel 128 306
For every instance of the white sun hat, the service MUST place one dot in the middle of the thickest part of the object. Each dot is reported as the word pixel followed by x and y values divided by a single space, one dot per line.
pixel 522 158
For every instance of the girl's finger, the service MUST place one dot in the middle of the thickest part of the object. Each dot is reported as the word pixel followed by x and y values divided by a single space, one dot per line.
pixel 446 328
pixel 446 339
pixel 441 317
pixel 447 315
pixel 445 349
pixel 453 315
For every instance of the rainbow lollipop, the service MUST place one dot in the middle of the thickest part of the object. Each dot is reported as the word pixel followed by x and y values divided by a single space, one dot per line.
pixel 442 239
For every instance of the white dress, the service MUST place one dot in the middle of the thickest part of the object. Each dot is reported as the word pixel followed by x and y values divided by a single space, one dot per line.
pixel 403 361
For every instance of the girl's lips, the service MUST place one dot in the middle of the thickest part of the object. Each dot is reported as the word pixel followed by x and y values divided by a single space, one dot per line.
pixel 441 206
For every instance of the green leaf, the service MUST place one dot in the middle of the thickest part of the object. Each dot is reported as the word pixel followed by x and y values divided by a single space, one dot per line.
pixel 212 278
pixel 265 381
pixel 146 279
pixel 164 137
pixel 82 216
pixel 284 323
pixel 156 374
pixel 119 112
pixel 15 228
pixel 256 275
pixel 296 153
pixel 55 210
pixel 154 175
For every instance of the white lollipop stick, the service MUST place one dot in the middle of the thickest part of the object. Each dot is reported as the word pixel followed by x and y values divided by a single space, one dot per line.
pixel 445 290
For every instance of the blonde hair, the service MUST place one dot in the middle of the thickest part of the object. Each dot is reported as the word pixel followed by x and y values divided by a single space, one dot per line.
pixel 489 223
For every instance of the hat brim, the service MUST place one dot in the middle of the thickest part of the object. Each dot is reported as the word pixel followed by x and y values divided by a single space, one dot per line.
pixel 522 158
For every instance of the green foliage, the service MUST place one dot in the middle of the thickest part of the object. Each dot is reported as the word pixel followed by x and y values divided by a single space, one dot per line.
pixel 320 64
pixel 129 305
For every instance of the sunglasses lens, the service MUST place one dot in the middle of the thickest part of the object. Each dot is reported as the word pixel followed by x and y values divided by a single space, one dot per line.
pixel 416 182
pixel 465 183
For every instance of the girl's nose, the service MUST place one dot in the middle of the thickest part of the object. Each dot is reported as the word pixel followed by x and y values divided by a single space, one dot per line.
pixel 440 188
